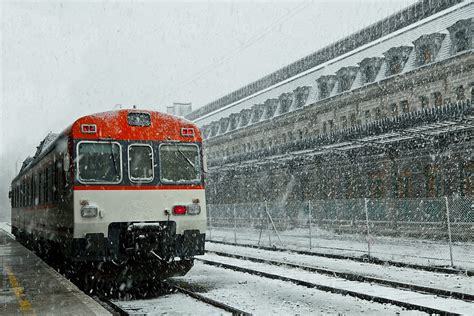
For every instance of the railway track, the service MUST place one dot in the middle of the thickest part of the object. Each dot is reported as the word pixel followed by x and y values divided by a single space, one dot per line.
pixel 355 277
pixel 391 298
pixel 210 301
pixel 116 308
pixel 364 259
pixel 113 308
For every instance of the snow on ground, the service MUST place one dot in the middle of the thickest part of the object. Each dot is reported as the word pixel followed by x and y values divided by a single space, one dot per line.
pixel 415 251
pixel 172 304
pixel 7 228
pixel 262 296
pixel 458 283
pixel 432 301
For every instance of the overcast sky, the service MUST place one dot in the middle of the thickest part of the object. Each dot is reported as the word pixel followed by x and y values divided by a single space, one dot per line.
pixel 63 60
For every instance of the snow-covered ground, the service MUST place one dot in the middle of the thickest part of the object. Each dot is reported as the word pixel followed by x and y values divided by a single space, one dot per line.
pixel 6 227
pixel 427 300
pixel 414 251
pixel 451 282
pixel 171 304
pixel 260 296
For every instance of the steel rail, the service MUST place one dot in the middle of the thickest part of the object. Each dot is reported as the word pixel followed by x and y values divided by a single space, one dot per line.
pixel 326 288
pixel 207 300
pixel 355 277
pixel 353 258
pixel 109 306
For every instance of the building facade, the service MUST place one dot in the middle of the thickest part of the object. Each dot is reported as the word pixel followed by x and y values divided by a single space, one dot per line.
pixel 390 117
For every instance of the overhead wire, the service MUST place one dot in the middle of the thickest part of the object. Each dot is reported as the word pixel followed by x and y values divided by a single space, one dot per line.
pixel 251 41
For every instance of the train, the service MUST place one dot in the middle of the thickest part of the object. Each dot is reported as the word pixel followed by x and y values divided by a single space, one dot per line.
pixel 124 188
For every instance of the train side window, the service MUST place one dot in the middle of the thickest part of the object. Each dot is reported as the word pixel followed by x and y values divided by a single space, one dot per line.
pixel 50 182
pixel 40 189
pixel 140 163
pixel 27 190
pixel 45 186
pixel 56 173
pixel 33 194
pixel 22 193
pixel 30 190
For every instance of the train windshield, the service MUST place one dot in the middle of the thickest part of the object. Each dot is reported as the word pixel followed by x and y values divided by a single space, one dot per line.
pixel 140 163
pixel 180 163
pixel 99 162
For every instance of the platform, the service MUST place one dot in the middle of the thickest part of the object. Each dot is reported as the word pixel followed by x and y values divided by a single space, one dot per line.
pixel 30 287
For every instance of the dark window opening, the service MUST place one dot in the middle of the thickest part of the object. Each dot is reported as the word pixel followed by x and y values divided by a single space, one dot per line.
pixel 140 163
pixel 323 90
pixel 461 41
pixel 424 102
pixel 344 122
pixel 139 119
pixel 405 106
pixel 405 186
pixel 395 65
pixel 437 98
pixel 460 96
pixel 378 113
pixel 99 162
pixel 353 119
pixel 367 115
pixel 180 163
pixel 425 55
pixel 394 109
pixel 369 73
pixel 433 181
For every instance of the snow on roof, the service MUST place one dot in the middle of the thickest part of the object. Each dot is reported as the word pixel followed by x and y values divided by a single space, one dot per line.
pixel 425 131
pixel 45 143
pixel 404 37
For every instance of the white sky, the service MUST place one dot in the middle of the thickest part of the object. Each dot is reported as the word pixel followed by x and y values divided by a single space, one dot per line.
pixel 63 60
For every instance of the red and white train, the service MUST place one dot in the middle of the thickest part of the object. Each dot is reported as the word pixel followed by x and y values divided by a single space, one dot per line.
pixel 113 187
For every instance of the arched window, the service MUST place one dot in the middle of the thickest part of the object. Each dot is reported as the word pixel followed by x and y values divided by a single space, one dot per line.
pixel 461 41
pixel 425 55
pixel 460 93
pixel 437 98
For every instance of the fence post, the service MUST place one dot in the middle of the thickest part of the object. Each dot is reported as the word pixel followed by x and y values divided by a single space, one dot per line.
pixel 449 231
pixel 261 229
pixel 210 220
pixel 273 224
pixel 235 226
pixel 309 220
pixel 367 223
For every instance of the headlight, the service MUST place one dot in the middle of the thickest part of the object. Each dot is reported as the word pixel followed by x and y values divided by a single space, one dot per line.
pixel 89 211
pixel 194 209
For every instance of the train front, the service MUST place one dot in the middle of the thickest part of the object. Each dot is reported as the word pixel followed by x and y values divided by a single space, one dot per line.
pixel 138 192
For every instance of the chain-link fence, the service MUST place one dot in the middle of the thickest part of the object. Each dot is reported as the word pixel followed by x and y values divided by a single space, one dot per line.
pixel 434 231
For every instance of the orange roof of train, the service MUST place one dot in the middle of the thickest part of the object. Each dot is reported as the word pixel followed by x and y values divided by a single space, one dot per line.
pixel 114 125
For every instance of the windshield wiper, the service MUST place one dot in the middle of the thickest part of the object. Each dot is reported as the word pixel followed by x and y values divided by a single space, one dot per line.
pixel 182 154
pixel 113 157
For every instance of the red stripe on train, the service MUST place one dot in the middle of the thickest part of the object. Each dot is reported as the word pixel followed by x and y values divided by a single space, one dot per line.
pixel 142 187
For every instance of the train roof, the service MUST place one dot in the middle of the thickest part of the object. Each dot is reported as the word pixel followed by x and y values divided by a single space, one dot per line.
pixel 118 125
pixel 115 125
